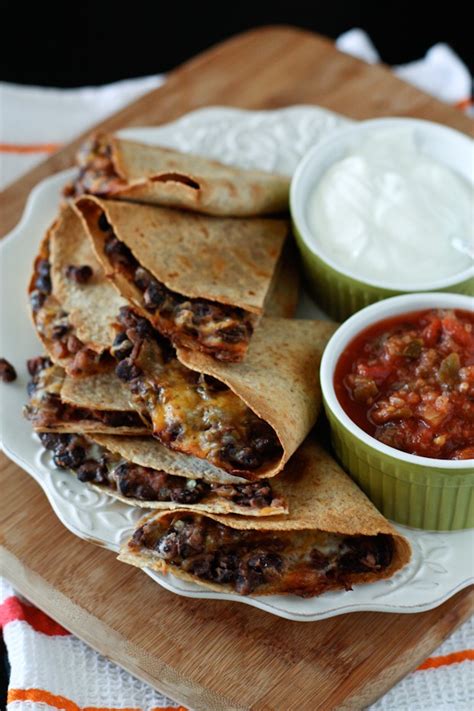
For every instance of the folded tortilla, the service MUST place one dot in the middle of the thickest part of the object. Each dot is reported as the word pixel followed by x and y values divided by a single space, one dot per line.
pixel 126 170
pixel 73 320
pixel 247 418
pixel 92 306
pixel 58 403
pixel 332 539
pixel 141 472
pixel 202 281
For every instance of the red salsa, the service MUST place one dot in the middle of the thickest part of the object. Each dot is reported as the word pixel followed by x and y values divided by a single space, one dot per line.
pixel 408 381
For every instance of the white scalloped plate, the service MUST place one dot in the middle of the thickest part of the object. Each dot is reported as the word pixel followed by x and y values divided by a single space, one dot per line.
pixel 275 140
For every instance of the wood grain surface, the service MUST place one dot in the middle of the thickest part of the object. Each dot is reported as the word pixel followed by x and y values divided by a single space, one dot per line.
pixel 210 655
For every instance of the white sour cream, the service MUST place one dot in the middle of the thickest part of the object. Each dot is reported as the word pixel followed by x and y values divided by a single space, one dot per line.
pixel 390 214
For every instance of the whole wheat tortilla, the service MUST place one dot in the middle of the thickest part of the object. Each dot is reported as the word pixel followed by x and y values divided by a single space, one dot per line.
pixel 162 176
pixel 321 497
pixel 230 261
pixel 106 391
pixel 92 306
pixel 96 392
pixel 279 378
pixel 147 452
pixel 102 391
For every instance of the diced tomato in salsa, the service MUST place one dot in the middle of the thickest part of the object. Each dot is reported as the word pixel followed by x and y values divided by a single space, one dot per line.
pixel 408 381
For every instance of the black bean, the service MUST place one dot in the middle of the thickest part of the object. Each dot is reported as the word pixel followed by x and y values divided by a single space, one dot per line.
pixel 81 275
pixel 318 559
pixel 103 223
pixel 233 334
pixel 240 457
pixel 71 458
pixel 127 370
pixel 265 562
pixel 121 347
pixel 59 331
pixel 173 431
pixel 167 546
pixel 7 371
pixel 37 299
pixel 190 493
pixel 54 441
pixel 201 566
pixel 142 278
pixel 154 296
pixel 43 267
pixel 92 470
pixel 43 283
pixel 36 365
pixel 118 253
pixel 225 567
pixel 200 310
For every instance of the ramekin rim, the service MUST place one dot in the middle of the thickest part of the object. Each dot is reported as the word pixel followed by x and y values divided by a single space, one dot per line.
pixel 300 222
pixel 347 331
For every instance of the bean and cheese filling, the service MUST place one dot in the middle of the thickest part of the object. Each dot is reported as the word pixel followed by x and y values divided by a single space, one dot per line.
pixel 96 172
pixel 219 330
pixel 95 464
pixel 53 324
pixel 191 412
pixel 304 563
pixel 46 410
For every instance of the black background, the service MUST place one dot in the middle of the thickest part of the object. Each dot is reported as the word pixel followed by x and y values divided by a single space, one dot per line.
pixel 88 43
pixel 74 44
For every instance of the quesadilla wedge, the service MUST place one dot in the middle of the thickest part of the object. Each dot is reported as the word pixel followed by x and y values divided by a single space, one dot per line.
pixel 113 167
pixel 245 418
pixel 141 472
pixel 72 303
pixel 49 411
pixel 332 538
pixel 201 281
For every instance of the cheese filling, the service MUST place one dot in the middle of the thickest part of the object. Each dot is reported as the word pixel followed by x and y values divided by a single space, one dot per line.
pixel 220 330
pixel 97 465
pixel 301 562
pixel 192 412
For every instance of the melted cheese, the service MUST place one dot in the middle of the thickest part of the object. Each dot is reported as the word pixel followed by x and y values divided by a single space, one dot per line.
pixel 188 414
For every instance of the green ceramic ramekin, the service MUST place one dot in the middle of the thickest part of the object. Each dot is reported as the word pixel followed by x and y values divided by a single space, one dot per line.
pixel 339 291
pixel 434 494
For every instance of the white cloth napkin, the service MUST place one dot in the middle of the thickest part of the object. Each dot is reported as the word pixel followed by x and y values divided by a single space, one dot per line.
pixel 52 669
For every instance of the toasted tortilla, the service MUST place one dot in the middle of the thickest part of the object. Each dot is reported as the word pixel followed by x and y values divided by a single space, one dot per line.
pixel 282 366
pixel 91 307
pixel 321 497
pixel 163 176
pixel 102 391
pixel 282 297
pixel 229 261
pixel 47 343
pixel 147 452
pixel 82 394
pixel 279 378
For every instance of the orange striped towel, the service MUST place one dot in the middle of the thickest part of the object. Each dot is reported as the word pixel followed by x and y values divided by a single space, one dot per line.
pixel 52 669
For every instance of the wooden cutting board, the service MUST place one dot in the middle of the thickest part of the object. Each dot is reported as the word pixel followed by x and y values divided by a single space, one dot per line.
pixel 217 655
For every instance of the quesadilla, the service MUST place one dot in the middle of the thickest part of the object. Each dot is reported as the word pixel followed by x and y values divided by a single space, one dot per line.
pixel 141 472
pixel 112 167
pixel 201 281
pixel 332 538
pixel 49 411
pixel 72 303
pixel 245 418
